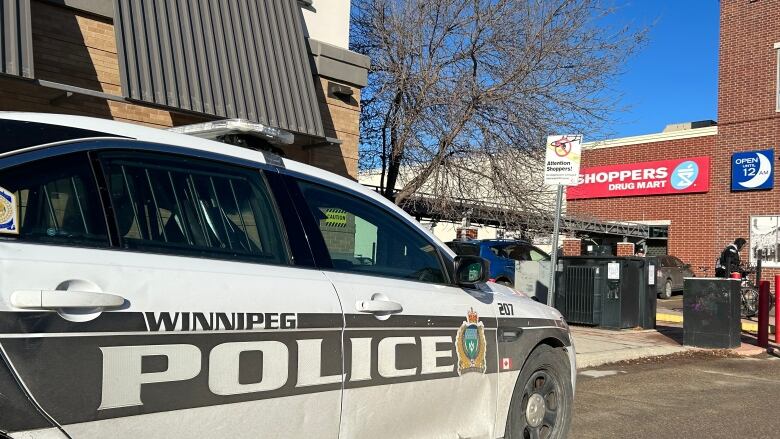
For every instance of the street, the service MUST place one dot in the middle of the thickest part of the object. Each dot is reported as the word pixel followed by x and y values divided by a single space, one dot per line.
pixel 675 303
pixel 690 395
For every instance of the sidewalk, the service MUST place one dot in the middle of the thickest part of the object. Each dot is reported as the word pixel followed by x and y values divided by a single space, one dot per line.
pixel 597 346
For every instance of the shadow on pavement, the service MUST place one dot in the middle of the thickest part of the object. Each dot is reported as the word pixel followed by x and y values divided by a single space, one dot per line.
pixel 672 332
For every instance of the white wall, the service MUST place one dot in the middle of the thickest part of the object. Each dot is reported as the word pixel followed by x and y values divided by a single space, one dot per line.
pixel 448 231
pixel 330 24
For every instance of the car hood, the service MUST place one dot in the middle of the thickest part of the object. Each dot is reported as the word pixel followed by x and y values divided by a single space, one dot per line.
pixel 525 307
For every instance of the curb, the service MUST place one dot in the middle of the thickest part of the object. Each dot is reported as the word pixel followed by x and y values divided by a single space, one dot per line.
pixel 595 359
pixel 676 318
pixel 669 318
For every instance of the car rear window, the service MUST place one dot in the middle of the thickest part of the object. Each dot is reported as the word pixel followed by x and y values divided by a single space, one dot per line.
pixel 178 205
pixel 58 201
pixel 464 249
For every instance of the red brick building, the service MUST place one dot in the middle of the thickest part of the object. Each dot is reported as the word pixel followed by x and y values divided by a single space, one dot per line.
pixel 700 224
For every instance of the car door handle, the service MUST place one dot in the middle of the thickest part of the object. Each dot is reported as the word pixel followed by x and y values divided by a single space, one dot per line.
pixel 509 334
pixel 58 299
pixel 383 307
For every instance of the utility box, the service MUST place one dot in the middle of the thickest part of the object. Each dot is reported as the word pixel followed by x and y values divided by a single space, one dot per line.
pixel 711 316
pixel 606 291
pixel 648 302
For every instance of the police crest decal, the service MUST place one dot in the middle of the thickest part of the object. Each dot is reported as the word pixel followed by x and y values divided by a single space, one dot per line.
pixel 471 345
pixel 9 218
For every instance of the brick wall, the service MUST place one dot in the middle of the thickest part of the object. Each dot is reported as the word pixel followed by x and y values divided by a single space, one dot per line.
pixel 702 224
pixel 341 120
pixel 747 115
pixel 692 216
pixel 572 247
pixel 340 237
pixel 625 249
pixel 79 49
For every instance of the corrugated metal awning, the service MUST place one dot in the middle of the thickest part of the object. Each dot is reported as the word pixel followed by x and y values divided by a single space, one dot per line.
pixel 16 38
pixel 235 59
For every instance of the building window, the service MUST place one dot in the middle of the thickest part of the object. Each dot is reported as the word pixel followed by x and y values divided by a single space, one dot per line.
pixel 777 88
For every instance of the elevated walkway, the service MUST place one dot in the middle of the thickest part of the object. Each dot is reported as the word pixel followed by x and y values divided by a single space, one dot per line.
pixel 426 206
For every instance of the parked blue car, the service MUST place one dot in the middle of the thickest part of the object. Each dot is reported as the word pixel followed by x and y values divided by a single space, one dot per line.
pixel 502 254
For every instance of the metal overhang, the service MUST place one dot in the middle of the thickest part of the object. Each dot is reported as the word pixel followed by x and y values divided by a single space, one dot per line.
pixel 242 59
pixel 16 56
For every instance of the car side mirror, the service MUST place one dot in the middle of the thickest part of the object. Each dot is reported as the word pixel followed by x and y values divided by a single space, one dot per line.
pixel 471 270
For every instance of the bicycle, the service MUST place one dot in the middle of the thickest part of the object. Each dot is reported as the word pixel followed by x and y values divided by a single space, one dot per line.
pixel 749 294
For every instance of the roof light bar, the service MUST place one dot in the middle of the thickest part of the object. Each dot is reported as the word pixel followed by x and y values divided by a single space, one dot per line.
pixel 213 130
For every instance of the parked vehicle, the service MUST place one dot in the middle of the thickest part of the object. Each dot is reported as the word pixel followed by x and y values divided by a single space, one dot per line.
pixel 502 254
pixel 154 284
pixel 670 274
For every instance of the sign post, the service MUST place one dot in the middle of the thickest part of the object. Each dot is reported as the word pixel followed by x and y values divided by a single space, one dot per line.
pixel 561 168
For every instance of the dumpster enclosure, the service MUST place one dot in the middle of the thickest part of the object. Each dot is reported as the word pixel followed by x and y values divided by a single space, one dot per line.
pixel 607 291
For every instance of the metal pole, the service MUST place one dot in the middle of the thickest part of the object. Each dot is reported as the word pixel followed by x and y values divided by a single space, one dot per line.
pixel 763 313
pixel 777 314
pixel 554 250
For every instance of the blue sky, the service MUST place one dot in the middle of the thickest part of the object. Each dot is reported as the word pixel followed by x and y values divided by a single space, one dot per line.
pixel 674 78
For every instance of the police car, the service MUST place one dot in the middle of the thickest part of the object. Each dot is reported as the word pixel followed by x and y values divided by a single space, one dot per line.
pixel 155 284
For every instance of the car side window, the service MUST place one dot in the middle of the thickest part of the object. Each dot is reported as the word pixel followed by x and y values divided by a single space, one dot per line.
pixel 364 238
pixel 537 256
pixel 498 250
pixel 181 205
pixel 518 252
pixel 57 201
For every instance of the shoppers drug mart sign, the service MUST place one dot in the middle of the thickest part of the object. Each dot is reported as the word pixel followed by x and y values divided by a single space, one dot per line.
pixel 664 177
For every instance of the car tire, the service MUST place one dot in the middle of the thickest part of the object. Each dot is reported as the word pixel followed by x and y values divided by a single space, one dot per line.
pixel 666 293
pixel 505 283
pixel 543 398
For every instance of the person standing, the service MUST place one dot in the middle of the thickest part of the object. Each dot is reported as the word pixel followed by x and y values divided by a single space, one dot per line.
pixel 729 261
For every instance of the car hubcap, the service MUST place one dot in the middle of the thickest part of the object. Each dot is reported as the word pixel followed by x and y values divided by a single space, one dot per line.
pixel 534 413
pixel 540 405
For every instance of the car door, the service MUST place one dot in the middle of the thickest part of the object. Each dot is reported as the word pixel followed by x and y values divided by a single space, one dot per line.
pixel 679 273
pixel 503 259
pixel 180 313
pixel 663 270
pixel 420 353
pixel 672 271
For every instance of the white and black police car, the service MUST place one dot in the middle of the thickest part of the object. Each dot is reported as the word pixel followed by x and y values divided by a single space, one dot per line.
pixel 156 284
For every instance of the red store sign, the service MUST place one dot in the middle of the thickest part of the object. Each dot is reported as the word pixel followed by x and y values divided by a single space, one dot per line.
pixel 663 177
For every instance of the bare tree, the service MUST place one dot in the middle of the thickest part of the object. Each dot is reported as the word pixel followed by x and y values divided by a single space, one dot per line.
pixel 462 93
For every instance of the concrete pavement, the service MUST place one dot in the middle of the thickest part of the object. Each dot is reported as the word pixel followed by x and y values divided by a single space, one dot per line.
pixel 595 346
pixel 600 346
pixel 693 394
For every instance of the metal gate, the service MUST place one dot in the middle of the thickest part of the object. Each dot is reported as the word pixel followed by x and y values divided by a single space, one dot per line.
pixel 579 295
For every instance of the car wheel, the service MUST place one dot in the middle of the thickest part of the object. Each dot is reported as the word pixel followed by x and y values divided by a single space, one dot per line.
pixel 542 401
pixel 505 283
pixel 666 293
